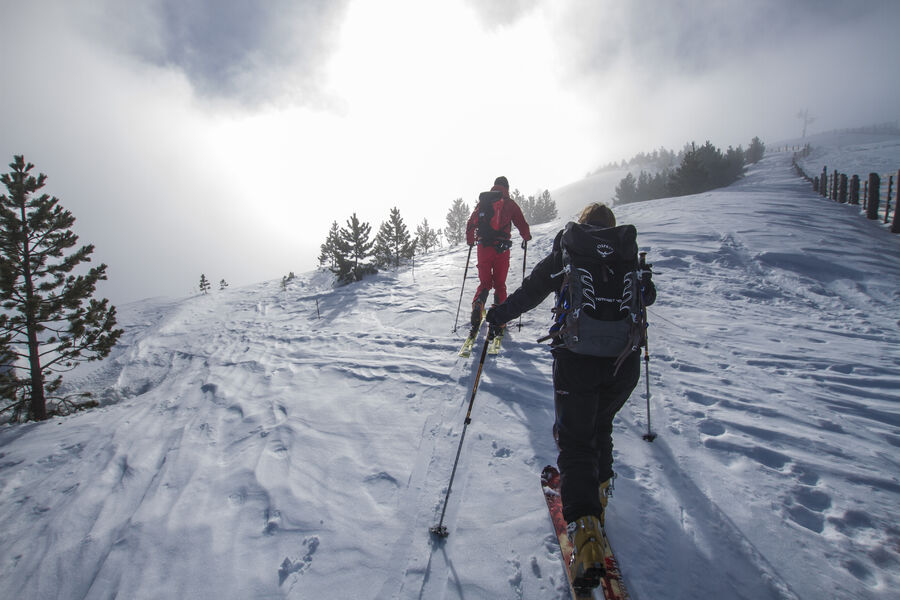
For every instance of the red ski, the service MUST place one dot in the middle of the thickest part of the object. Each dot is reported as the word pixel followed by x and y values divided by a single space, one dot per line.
pixel 612 585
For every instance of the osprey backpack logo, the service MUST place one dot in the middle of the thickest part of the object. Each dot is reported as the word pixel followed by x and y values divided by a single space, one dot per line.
pixel 605 250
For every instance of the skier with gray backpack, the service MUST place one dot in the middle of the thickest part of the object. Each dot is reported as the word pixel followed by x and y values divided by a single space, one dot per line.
pixel 599 325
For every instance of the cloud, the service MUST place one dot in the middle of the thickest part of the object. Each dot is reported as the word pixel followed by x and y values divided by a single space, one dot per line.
pixel 206 136
pixel 667 72
pixel 673 39
pixel 501 12
pixel 232 51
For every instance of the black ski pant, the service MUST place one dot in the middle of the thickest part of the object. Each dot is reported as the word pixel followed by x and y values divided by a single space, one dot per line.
pixel 587 396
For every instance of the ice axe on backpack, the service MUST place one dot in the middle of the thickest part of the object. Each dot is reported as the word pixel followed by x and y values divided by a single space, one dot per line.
pixel 649 436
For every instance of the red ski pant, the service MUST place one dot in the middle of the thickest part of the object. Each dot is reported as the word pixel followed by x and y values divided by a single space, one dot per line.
pixel 493 267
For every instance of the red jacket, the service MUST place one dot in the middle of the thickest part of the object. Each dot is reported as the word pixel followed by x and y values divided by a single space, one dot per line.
pixel 510 215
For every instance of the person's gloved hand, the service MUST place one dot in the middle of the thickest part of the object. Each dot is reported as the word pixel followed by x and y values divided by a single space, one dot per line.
pixel 491 316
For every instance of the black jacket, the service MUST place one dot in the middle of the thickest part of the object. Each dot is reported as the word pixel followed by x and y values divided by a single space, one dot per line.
pixel 541 282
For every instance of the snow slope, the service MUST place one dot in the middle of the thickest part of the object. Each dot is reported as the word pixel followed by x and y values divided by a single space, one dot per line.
pixel 252 447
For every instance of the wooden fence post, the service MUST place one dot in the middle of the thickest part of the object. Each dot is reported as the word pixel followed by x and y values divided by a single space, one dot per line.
pixel 865 195
pixel 887 204
pixel 874 196
pixel 895 224
pixel 854 189
pixel 823 183
pixel 816 184
pixel 842 193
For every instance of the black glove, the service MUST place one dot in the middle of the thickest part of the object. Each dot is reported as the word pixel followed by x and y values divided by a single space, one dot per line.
pixel 646 278
pixel 491 316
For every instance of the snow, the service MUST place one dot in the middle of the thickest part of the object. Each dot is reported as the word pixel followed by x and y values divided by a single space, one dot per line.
pixel 251 445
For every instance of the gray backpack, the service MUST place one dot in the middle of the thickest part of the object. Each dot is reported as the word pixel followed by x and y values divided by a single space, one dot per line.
pixel 598 309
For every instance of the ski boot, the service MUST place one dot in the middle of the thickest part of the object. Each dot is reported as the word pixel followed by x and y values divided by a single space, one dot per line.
pixel 477 313
pixel 477 310
pixel 586 565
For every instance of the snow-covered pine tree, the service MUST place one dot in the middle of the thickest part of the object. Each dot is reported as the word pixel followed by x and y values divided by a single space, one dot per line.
pixel 457 217
pixel 204 284
pixel 49 317
pixel 393 243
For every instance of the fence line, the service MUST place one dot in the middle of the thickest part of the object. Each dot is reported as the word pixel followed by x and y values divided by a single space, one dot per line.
pixel 870 194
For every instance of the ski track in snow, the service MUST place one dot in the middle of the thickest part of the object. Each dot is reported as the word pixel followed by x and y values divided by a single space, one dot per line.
pixel 250 448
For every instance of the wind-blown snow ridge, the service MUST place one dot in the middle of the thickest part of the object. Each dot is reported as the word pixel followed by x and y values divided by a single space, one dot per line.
pixel 250 449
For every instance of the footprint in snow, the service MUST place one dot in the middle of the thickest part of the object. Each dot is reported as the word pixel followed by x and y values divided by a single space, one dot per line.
pixel 289 567
pixel 712 427
pixel 805 506
pixel 501 452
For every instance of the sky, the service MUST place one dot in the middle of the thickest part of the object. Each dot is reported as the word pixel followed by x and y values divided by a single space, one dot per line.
pixel 224 137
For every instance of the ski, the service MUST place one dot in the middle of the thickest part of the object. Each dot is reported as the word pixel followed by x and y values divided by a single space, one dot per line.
pixel 611 585
pixel 494 348
pixel 466 350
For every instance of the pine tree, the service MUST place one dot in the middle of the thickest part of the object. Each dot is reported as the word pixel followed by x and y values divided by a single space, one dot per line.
pixel 734 163
pixel 756 151
pixel 701 169
pixel 8 382
pixel 331 247
pixel 658 185
pixel 223 284
pixel 526 205
pixel 354 248
pixel 457 217
pixel 49 318
pixel 393 243
pixel 204 284
pixel 544 209
pixel 626 191
pixel 691 177
pixel 426 236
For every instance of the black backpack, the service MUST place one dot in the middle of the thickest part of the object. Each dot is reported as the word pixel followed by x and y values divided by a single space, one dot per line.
pixel 489 206
pixel 598 309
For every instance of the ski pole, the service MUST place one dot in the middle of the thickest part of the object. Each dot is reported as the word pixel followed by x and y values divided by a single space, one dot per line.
pixel 462 289
pixel 649 436
pixel 524 256
pixel 440 530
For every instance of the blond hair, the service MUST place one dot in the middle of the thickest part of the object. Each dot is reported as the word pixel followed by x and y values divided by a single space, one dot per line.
pixel 598 214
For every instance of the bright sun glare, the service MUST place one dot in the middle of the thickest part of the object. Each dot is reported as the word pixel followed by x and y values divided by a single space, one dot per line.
pixel 426 99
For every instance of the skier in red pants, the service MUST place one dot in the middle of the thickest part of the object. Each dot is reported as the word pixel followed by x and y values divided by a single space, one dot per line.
pixel 490 226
